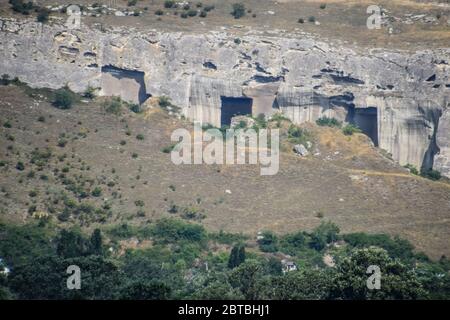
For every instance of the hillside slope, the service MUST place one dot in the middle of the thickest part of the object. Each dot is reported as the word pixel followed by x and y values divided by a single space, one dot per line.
pixel 98 172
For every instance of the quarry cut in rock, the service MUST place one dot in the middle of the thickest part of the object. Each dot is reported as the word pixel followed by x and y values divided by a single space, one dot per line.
pixel 399 99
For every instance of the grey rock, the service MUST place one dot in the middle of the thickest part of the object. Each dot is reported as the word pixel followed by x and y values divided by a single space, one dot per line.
pixel 299 76
pixel 301 150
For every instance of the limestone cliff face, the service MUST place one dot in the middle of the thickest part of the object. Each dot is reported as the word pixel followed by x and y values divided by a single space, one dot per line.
pixel 400 99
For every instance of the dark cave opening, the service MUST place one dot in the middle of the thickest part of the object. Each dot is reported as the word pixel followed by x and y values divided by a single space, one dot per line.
pixel 367 120
pixel 233 107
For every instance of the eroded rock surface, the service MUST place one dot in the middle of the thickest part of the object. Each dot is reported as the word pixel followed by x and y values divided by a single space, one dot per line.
pixel 407 93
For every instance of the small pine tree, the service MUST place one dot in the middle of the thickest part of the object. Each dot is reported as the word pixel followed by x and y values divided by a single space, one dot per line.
pixel 96 242
pixel 241 254
pixel 237 256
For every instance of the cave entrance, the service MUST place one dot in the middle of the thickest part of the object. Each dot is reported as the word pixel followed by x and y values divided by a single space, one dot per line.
pixel 128 84
pixel 232 107
pixel 367 120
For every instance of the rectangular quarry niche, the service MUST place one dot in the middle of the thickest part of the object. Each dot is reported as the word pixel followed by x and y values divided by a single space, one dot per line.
pixel 231 107
pixel 367 120
pixel 128 84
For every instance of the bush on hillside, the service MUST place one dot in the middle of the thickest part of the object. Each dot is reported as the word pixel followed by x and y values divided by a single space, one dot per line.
pixel 64 98
pixel 238 10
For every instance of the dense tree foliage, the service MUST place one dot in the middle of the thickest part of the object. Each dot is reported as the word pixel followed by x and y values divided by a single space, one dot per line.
pixel 180 263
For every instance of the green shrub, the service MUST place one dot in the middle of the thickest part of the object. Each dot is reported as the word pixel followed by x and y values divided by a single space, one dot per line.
pixel 164 102
pixel 134 107
pixel 312 19
pixel 90 92
pixel 32 193
pixel 132 3
pixel 184 15
pixel 168 149
pixel 323 6
pixel 96 192
pixel 62 142
pixel 430 174
pixel 172 230
pixel 294 131
pixel 64 98
pixel 22 6
pixel 324 234
pixel 396 247
pixel 43 15
pixel 350 129
pixel 113 105
pixel 268 242
pixel 20 166
pixel 169 4
pixel 297 135
pixel 139 203
pixel 226 238
pixel 329 122
pixel 159 12
pixel 291 243
pixel 411 168
pixel 203 14
pixel 140 137
pixel 7 124
pixel 209 8
pixel 301 20
pixel 192 13
pixel 5 79
pixel 192 213
pixel 238 10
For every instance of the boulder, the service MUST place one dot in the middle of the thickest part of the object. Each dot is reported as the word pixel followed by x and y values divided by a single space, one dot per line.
pixel 301 150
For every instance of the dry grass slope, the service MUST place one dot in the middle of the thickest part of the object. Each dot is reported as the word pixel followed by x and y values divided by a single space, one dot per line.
pixel 349 183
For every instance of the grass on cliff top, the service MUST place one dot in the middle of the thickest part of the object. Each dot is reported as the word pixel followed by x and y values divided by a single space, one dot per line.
pixel 344 20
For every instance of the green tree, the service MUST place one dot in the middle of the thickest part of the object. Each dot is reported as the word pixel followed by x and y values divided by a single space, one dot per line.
pixel 397 280
pixel 70 244
pixel 274 266
pixel 237 256
pixel 46 278
pixel 306 284
pixel 248 278
pixel 268 242
pixel 326 232
pixel 144 290
pixel 217 287
pixel 96 242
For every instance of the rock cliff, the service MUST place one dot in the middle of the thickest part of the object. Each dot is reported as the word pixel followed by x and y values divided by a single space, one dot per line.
pixel 400 99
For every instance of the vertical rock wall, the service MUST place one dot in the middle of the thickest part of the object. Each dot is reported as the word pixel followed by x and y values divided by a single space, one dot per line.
pixel 300 76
